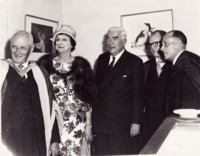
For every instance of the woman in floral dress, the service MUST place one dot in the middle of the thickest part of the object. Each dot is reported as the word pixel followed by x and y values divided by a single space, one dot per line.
pixel 73 83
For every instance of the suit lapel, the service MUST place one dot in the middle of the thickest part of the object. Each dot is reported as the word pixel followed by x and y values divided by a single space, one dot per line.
pixel 167 65
pixel 147 67
pixel 118 68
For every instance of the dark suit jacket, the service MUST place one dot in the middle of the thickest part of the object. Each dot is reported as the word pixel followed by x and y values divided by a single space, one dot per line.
pixel 120 99
pixel 184 86
pixel 155 98
pixel 156 87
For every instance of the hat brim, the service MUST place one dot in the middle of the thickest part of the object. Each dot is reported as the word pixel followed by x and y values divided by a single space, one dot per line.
pixel 61 32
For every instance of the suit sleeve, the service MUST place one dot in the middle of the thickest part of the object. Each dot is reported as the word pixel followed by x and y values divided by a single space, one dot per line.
pixel 97 74
pixel 137 91
pixel 55 133
pixel 187 95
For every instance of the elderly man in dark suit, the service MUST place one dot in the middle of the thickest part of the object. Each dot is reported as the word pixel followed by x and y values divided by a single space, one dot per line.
pixel 117 114
pixel 184 82
pixel 156 77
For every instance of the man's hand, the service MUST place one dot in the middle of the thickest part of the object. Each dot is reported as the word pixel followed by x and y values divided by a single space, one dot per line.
pixel 135 130
pixel 54 149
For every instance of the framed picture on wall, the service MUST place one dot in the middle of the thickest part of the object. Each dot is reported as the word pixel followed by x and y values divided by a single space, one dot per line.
pixel 42 30
pixel 139 27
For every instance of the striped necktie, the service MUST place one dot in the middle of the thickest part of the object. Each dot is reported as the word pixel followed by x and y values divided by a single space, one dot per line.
pixel 111 64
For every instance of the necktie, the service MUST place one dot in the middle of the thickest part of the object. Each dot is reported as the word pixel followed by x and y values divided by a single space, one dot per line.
pixel 111 64
pixel 159 68
pixel 20 66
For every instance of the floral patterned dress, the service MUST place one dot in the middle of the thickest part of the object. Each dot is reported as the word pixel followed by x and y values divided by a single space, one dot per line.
pixel 73 110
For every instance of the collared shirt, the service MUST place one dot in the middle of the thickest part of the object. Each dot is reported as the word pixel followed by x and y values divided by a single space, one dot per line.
pixel 175 59
pixel 25 64
pixel 116 57
pixel 161 62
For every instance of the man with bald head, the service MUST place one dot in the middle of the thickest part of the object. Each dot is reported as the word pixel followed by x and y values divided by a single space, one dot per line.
pixel 28 124
pixel 184 81
pixel 117 113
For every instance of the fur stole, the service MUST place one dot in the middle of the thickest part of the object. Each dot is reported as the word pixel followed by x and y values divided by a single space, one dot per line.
pixel 83 76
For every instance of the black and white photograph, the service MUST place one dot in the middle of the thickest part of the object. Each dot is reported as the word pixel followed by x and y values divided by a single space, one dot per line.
pixel 100 77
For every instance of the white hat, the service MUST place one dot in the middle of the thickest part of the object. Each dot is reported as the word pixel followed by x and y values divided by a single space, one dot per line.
pixel 64 29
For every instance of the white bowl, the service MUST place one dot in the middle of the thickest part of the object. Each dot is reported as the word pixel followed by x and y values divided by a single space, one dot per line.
pixel 187 113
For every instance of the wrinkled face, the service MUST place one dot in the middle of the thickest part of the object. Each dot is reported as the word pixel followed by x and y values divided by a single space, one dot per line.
pixel 62 43
pixel 169 47
pixel 115 42
pixel 155 44
pixel 20 49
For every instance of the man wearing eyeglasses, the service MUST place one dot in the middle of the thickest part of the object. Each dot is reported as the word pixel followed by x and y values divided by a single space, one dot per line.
pixel 184 82
pixel 28 124
pixel 156 75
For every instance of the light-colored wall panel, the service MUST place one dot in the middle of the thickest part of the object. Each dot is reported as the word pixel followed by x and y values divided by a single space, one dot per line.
pixel 92 18
pixel 13 13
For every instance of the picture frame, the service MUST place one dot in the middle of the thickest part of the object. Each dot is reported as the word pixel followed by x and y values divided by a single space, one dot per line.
pixel 42 30
pixel 139 24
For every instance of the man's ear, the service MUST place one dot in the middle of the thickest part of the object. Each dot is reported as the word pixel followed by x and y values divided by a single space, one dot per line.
pixel 32 48
pixel 125 40
pixel 179 44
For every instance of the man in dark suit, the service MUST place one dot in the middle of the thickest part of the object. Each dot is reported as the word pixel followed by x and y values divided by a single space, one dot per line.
pixel 156 76
pixel 184 86
pixel 117 114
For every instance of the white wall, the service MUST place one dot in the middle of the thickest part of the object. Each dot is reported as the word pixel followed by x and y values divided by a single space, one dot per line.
pixel 13 13
pixel 92 18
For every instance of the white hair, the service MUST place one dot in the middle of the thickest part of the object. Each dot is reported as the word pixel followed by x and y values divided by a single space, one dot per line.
pixel 119 29
pixel 23 33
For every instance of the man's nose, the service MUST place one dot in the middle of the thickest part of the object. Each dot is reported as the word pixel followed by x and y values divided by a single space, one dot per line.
pixel 17 51
pixel 111 42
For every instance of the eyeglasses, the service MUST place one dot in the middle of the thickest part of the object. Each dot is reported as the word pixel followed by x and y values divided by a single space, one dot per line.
pixel 155 44
pixel 22 48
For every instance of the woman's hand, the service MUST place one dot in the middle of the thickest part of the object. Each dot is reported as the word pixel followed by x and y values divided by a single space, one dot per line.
pixel 54 149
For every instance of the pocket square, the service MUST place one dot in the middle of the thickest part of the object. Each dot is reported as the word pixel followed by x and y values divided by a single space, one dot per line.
pixel 124 76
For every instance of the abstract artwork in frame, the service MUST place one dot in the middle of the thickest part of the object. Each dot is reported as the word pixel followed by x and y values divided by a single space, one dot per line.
pixel 42 30
pixel 139 27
